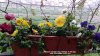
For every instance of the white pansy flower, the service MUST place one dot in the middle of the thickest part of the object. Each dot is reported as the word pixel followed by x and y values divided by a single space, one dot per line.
pixel 74 22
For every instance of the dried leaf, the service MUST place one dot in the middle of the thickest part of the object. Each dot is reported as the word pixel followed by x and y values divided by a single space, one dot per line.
pixel 81 4
pixel 33 12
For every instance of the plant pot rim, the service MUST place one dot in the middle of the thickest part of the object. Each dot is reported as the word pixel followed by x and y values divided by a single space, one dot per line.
pixel 34 36
pixel 63 36
pixel 51 36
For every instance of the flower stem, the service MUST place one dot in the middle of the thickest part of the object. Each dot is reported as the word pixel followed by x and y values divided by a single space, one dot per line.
pixel 98 28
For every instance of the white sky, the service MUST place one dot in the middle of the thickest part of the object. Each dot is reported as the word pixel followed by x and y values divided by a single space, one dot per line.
pixel 54 2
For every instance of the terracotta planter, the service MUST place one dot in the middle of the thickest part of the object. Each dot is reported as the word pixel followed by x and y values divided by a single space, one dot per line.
pixel 34 49
pixel 45 54
pixel 51 43
pixel 18 51
pixel 60 43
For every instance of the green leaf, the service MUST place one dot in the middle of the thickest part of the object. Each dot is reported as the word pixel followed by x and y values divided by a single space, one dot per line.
pixel 3 49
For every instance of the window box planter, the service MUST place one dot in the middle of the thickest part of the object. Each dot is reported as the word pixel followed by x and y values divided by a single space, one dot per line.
pixel 59 44
pixel 18 51
pixel 68 43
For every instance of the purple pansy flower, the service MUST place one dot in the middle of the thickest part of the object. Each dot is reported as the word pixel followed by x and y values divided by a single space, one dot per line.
pixel 84 24
pixel 97 37
pixel 91 27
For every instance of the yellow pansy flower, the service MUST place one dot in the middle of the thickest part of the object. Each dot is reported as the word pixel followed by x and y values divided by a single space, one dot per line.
pixel 19 21
pixel 14 33
pixel 41 24
pixel 60 21
pixel 34 31
pixel 25 23
pixel 49 24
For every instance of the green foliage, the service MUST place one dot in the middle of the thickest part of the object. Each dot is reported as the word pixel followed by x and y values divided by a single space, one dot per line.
pixel 26 44
pixel 61 32
pixel 4 42
pixel 81 45
pixel 69 18
pixel 22 39
pixel 40 46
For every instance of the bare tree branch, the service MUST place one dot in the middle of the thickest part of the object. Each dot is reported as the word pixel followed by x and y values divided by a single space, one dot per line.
pixel 90 9
pixel 73 7
pixel 45 18
pixel 22 6
pixel 5 11
pixel 41 3
pixel 7 6
pixel 94 12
